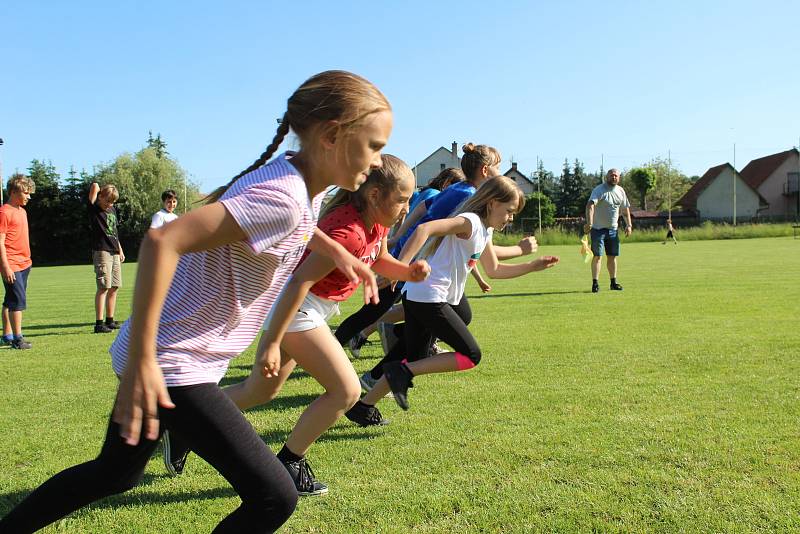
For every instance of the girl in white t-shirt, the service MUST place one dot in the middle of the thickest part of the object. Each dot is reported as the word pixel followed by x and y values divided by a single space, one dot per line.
pixel 432 306
pixel 204 286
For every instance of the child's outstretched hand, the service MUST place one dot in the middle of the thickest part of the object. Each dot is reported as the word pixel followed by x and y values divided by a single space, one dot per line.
pixel 545 262
pixel 485 287
pixel 269 361
pixel 418 270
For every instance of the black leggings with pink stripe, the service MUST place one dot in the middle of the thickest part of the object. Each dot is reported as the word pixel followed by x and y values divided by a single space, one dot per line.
pixel 206 419
pixel 428 321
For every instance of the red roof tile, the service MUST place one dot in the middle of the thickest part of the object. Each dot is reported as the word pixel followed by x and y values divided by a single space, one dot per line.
pixel 758 170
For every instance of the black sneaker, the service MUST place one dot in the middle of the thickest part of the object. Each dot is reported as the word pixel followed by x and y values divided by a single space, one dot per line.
pixel 113 325
pixel 365 415
pixel 355 344
pixel 101 329
pixel 174 455
pixel 595 288
pixel 304 479
pixel 21 344
pixel 616 287
pixel 399 378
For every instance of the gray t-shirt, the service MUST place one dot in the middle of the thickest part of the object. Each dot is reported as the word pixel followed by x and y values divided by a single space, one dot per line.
pixel 608 199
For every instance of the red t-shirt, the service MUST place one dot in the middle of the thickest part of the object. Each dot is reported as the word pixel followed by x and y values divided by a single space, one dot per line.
pixel 14 224
pixel 345 226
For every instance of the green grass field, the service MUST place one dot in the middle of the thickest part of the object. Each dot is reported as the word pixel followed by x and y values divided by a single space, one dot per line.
pixel 672 406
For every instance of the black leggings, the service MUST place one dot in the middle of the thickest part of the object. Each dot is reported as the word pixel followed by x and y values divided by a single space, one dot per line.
pixel 428 321
pixel 368 314
pixel 213 426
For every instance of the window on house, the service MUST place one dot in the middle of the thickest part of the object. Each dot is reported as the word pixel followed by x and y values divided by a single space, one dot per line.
pixel 441 166
pixel 792 184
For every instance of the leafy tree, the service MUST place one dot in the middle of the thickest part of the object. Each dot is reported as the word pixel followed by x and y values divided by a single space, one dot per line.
pixel 531 211
pixel 644 180
pixel 140 179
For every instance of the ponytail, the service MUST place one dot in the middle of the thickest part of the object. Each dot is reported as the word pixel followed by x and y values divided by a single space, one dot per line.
pixel 283 130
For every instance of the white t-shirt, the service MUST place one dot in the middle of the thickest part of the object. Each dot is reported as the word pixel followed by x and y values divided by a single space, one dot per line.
pixel 219 298
pixel 162 217
pixel 608 199
pixel 450 265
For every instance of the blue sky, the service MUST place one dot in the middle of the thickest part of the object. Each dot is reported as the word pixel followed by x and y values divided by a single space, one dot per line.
pixel 84 81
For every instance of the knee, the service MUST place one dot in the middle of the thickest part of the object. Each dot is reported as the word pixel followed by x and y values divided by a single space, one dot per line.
pixel 122 484
pixel 469 360
pixel 349 395
pixel 283 506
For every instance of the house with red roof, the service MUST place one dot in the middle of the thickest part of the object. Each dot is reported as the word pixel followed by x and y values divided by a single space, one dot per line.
pixel 711 197
pixel 775 177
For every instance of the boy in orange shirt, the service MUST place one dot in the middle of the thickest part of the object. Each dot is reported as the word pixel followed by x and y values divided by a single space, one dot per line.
pixel 15 258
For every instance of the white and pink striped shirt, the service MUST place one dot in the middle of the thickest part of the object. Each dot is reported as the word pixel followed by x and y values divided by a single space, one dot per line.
pixel 219 298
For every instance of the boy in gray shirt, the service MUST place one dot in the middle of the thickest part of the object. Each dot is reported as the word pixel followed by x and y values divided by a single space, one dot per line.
pixel 602 214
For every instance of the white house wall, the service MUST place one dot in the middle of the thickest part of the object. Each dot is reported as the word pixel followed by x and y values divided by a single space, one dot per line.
pixel 432 166
pixel 716 200
pixel 772 190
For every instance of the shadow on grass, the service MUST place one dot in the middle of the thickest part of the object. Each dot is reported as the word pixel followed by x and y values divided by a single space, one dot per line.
pixel 130 498
pixel 349 432
pixel 286 402
pixel 87 325
pixel 228 380
pixel 539 294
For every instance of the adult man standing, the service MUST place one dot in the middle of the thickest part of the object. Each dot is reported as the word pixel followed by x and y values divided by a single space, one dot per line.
pixel 602 215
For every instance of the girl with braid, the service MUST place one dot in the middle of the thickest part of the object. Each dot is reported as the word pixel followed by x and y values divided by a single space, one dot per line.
pixel 434 307
pixel 204 287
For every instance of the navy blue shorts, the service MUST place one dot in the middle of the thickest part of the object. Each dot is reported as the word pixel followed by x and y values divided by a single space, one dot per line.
pixel 605 240
pixel 15 299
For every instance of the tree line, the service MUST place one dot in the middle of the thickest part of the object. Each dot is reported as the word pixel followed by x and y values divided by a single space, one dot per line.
pixel 655 186
pixel 58 218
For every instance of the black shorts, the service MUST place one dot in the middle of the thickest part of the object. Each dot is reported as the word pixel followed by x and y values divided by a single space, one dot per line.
pixel 15 299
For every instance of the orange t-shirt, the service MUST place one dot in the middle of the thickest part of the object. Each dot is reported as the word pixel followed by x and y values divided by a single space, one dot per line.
pixel 14 224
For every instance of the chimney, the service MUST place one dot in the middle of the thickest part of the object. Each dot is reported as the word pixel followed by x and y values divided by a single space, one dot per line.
pixel 455 150
pixel 513 165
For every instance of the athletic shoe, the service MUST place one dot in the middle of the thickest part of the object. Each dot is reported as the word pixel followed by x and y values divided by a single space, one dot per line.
pixel 304 479
pixel 399 378
pixel 616 287
pixel 595 288
pixel 21 343
pixel 367 382
pixel 113 325
pixel 364 415
pixel 174 455
pixel 101 329
pixel 5 342
pixel 435 349
pixel 355 344
pixel 388 339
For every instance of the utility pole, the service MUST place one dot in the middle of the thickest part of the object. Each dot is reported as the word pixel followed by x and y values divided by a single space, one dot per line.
pixel 539 196
pixel 669 185
pixel 1 174
pixel 734 187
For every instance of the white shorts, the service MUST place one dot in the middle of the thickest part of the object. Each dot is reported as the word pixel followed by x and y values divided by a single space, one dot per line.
pixel 314 312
